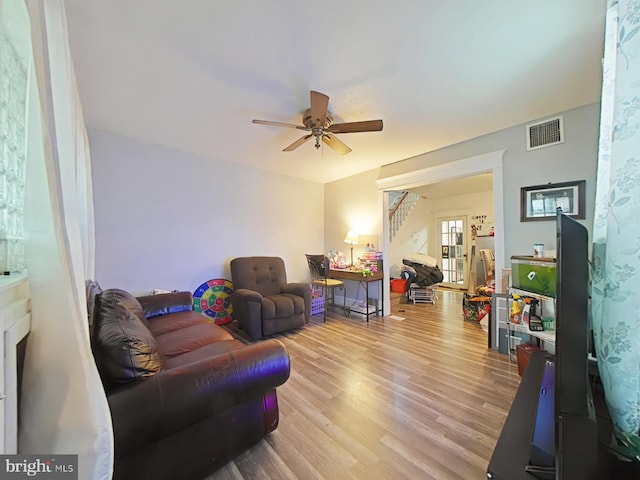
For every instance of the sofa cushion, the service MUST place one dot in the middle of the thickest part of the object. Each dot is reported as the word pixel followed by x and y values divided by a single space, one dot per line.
pixel 282 306
pixel 176 321
pixel 191 338
pixel 128 301
pixel 123 346
pixel 207 351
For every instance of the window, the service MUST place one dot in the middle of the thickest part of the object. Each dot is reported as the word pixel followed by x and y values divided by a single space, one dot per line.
pixel 13 93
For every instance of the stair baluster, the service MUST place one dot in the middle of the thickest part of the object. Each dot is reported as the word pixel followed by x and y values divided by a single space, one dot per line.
pixel 399 212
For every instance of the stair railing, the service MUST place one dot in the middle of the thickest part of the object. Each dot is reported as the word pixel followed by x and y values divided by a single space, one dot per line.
pixel 400 211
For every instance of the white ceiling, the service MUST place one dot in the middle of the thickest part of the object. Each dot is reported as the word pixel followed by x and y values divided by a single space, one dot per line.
pixel 192 75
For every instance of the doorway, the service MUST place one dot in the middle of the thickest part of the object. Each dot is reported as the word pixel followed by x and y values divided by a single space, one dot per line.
pixel 488 162
pixel 453 251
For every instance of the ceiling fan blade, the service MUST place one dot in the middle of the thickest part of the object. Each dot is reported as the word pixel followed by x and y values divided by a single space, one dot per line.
pixel 319 108
pixel 279 124
pixel 335 143
pixel 297 143
pixel 354 127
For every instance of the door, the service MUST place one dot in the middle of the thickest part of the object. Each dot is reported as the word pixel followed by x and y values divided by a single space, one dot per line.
pixel 453 251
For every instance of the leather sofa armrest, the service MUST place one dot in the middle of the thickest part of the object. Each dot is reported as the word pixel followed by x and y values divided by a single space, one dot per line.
pixel 164 303
pixel 303 290
pixel 175 399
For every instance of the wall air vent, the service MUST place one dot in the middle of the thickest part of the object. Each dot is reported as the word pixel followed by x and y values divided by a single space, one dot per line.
pixel 546 133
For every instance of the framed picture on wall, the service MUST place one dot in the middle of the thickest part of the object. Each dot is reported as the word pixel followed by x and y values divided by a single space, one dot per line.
pixel 541 201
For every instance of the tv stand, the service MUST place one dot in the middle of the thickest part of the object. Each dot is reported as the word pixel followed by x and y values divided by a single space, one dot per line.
pixel 545 473
pixel 510 457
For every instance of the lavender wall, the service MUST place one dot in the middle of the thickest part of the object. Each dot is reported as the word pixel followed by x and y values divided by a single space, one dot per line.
pixel 172 220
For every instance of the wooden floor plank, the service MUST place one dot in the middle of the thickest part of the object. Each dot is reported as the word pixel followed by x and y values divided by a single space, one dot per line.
pixel 418 397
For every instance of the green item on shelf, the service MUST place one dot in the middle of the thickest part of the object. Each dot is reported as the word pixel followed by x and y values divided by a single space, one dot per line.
pixel 535 277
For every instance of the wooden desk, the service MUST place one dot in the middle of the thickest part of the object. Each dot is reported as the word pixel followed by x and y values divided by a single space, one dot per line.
pixel 356 276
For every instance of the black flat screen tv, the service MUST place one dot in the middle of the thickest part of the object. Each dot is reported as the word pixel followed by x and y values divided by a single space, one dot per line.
pixel 571 452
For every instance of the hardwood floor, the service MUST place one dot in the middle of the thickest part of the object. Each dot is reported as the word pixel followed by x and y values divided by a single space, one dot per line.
pixel 419 398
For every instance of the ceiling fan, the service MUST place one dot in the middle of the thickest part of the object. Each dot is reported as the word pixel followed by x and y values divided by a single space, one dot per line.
pixel 319 122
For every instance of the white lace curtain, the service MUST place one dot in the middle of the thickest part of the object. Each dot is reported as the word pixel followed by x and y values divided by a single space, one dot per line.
pixel 63 406
pixel 616 232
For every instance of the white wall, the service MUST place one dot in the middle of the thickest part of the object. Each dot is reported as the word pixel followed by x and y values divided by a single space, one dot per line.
pixel 355 196
pixel 352 204
pixel 169 219
pixel 575 159
pixel 173 220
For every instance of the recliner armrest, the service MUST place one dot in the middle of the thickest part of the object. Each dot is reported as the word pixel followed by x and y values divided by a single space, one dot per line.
pixel 301 289
pixel 164 303
pixel 156 407
pixel 246 295
pixel 247 309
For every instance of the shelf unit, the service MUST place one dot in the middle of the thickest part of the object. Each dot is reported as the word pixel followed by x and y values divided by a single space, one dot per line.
pixel 525 293
pixel 545 336
pixel 422 294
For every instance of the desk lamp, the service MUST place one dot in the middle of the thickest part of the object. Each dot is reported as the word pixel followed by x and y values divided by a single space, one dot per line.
pixel 351 239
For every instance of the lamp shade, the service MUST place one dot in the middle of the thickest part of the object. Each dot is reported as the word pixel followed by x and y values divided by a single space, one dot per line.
pixel 351 238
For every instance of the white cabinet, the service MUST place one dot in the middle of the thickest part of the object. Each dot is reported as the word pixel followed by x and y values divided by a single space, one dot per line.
pixel 15 320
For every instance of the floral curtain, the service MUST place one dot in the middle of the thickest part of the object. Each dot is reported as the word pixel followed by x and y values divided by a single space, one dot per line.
pixel 616 232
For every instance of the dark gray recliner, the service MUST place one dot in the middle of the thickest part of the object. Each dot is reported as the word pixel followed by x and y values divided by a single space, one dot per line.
pixel 263 302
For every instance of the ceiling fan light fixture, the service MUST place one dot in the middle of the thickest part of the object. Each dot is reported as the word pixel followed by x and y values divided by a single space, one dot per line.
pixel 319 122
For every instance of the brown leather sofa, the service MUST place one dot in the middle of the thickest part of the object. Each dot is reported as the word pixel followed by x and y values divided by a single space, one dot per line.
pixel 263 302
pixel 185 396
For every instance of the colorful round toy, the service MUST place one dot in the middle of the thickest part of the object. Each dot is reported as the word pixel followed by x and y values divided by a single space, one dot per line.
pixel 213 298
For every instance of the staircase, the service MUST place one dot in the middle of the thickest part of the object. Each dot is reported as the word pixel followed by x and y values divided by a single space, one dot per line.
pixel 399 210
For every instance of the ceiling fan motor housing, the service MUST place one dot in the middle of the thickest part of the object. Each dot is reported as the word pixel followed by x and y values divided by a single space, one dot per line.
pixel 307 121
pixel 319 122
pixel 317 132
